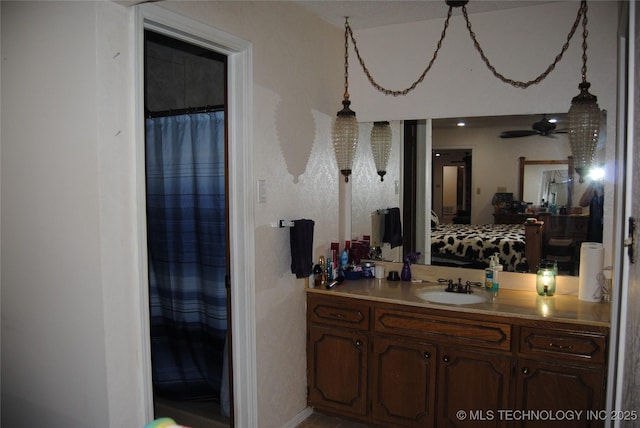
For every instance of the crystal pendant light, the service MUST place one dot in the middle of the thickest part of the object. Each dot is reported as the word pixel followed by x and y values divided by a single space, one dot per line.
pixel 345 127
pixel 381 146
pixel 584 128
pixel 584 116
pixel 345 138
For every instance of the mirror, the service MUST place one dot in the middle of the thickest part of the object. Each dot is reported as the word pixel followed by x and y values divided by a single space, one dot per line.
pixel 495 169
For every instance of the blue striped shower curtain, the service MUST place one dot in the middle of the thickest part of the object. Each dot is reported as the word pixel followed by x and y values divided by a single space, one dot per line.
pixel 186 227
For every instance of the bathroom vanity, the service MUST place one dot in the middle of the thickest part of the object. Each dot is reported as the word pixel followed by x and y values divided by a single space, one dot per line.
pixel 379 353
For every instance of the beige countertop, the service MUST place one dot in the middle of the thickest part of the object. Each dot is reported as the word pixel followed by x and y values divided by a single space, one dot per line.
pixel 508 302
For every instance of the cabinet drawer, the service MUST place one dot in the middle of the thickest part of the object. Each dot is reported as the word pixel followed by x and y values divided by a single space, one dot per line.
pixel 339 313
pixel 484 334
pixel 565 344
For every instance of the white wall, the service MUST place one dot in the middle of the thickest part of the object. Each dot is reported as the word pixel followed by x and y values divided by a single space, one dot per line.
pixel 69 206
pixel 54 365
pixel 520 43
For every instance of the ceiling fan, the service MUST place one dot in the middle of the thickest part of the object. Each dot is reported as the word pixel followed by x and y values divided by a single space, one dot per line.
pixel 543 127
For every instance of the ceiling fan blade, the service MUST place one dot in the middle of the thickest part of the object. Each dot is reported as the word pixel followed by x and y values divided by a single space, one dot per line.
pixel 517 133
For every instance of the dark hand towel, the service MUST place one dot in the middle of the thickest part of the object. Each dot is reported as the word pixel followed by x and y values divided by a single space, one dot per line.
pixel 301 237
pixel 392 228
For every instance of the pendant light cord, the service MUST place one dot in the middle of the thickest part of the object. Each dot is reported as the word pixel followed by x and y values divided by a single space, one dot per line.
pixel 395 93
pixel 582 13
pixel 346 58
pixel 585 33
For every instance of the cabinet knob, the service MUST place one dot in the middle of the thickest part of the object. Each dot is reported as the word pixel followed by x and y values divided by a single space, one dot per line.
pixel 446 358
pixel 525 370
pixel 358 343
pixel 427 355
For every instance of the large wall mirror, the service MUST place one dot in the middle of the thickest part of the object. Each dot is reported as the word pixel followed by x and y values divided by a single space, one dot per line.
pixel 477 181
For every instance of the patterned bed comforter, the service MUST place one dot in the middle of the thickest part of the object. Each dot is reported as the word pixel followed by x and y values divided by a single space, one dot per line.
pixel 479 242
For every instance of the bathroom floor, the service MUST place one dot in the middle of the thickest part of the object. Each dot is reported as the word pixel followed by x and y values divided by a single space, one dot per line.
pixel 193 414
pixel 318 420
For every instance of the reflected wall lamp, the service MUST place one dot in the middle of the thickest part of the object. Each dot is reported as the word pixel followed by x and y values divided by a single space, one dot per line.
pixel 584 114
pixel 381 146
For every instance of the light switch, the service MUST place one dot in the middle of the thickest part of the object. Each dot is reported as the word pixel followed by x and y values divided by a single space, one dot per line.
pixel 478 191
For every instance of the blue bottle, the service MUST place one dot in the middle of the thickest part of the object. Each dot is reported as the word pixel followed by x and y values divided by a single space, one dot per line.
pixel 405 275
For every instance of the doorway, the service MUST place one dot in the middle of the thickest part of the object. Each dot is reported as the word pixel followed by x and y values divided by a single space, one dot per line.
pixel 188 233
pixel 452 185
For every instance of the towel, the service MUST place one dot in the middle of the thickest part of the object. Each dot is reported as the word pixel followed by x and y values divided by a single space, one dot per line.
pixel 301 238
pixel 392 228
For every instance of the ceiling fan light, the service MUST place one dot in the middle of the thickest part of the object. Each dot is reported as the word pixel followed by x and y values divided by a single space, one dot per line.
pixel 381 146
pixel 584 129
pixel 345 138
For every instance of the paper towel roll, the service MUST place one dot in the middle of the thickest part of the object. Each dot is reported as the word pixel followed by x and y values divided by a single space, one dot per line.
pixel 591 264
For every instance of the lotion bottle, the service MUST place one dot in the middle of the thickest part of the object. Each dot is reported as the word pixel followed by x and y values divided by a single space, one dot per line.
pixel 488 275
pixel 496 268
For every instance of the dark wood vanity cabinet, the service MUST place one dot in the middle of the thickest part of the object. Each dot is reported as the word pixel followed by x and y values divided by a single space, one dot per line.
pixel 338 376
pixel 400 366
pixel 472 381
pixel 403 366
pixel 561 368
pixel 338 356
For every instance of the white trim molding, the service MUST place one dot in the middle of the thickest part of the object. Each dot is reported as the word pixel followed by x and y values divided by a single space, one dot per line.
pixel 241 218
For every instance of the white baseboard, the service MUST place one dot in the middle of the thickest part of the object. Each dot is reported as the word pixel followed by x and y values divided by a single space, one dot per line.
pixel 297 420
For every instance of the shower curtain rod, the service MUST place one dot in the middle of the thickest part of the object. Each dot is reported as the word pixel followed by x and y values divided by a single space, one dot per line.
pixel 181 111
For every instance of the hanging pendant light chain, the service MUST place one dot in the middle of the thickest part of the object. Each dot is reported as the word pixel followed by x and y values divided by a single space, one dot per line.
pixel 585 33
pixel 414 84
pixel 346 58
pixel 519 84
pixel 582 13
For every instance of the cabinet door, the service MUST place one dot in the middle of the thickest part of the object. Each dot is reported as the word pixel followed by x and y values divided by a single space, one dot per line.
pixel 555 389
pixel 472 387
pixel 337 372
pixel 403 381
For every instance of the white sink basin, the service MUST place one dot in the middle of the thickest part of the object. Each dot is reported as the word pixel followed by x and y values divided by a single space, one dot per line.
pixel 450 298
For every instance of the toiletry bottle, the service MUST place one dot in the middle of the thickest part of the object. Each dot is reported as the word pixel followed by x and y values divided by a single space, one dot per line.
pixel 488 275
pixel 491 274
pixel 344 260
pixel 330 275
pixel 405 275
pixel 317 275
pixel 496 273
pixel 323 281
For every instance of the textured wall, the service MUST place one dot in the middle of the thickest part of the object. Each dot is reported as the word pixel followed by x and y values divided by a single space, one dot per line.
pixel 298 86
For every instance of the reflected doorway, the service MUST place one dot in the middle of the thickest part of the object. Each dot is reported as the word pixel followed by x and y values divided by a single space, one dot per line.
pixel 451 189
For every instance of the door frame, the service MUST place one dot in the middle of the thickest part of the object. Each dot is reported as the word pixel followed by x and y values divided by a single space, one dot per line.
pixel 240 196
pixel 623 349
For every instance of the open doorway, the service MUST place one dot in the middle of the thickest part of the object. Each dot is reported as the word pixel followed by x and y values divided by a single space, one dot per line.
pixel 188 234
pixel 452 185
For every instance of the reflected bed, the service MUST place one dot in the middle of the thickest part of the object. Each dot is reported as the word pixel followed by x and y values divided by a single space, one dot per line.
pixel 468 245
